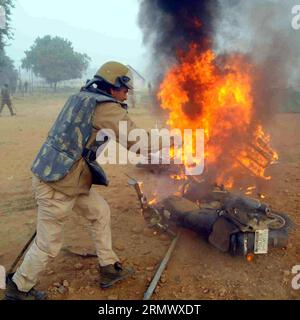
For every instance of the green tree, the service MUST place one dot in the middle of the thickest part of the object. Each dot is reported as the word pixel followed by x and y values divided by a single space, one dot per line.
pixel 8 73
pixel 6 33
pixel 54 59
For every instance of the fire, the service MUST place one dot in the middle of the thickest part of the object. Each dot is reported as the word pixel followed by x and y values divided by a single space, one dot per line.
pixel 152 202
pixel 199 94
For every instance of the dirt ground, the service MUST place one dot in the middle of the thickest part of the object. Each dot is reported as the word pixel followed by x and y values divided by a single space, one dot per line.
pixel 196 269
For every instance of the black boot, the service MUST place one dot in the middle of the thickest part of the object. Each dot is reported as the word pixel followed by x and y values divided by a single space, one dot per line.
pixel 12 292
pixel 112 273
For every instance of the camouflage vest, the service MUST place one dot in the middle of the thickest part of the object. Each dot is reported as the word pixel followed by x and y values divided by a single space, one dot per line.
pixel 68 136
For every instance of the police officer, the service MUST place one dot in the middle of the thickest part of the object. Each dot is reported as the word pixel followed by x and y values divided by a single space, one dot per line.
pixel 64 171
pixel 6 100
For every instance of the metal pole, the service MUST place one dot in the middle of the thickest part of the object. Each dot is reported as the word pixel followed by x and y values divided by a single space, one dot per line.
pixel 160 270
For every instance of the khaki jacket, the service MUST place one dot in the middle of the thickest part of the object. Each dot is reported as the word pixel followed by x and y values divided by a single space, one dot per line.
pixel 79 179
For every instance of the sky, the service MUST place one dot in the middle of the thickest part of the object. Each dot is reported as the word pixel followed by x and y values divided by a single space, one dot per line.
pixel 105 30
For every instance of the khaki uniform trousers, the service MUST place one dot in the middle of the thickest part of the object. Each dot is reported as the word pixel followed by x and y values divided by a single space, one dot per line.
pixel 53 209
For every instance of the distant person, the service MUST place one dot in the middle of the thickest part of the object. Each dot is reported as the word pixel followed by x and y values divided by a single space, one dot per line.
pixel 6 100
pixel 20 87
pixel 26 87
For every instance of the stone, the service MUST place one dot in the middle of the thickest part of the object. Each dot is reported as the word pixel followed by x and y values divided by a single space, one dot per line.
pixel 149 268
pixel 62 290
pixel 206 291
pixel 66 283
pixel 56 284
pixel 112 297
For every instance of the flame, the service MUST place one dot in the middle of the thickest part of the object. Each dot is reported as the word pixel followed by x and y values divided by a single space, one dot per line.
pixel 152 202
pixel 199 94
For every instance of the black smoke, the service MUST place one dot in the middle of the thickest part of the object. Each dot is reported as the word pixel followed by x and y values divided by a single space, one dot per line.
pixel 170 26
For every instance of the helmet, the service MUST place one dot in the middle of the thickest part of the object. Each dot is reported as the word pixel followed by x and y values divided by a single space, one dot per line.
pixel 116 74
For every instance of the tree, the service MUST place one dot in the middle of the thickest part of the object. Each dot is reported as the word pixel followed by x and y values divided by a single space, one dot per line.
pixel 54 59
pixel 6 33
pixel 8 73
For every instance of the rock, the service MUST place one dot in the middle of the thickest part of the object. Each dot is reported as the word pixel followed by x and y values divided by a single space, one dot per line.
pixel 62 290
pixel 78 266
pixel 112 297
pixel 56 284
pixel 163 280
pixel 66 283
pixel 206 291
pixel 149 268
pixel 137 229
pixel 91 293
pixel 1 254
pixel 149 279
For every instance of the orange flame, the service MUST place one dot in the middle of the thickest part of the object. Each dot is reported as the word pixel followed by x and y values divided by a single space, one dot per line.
pixel 198 94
